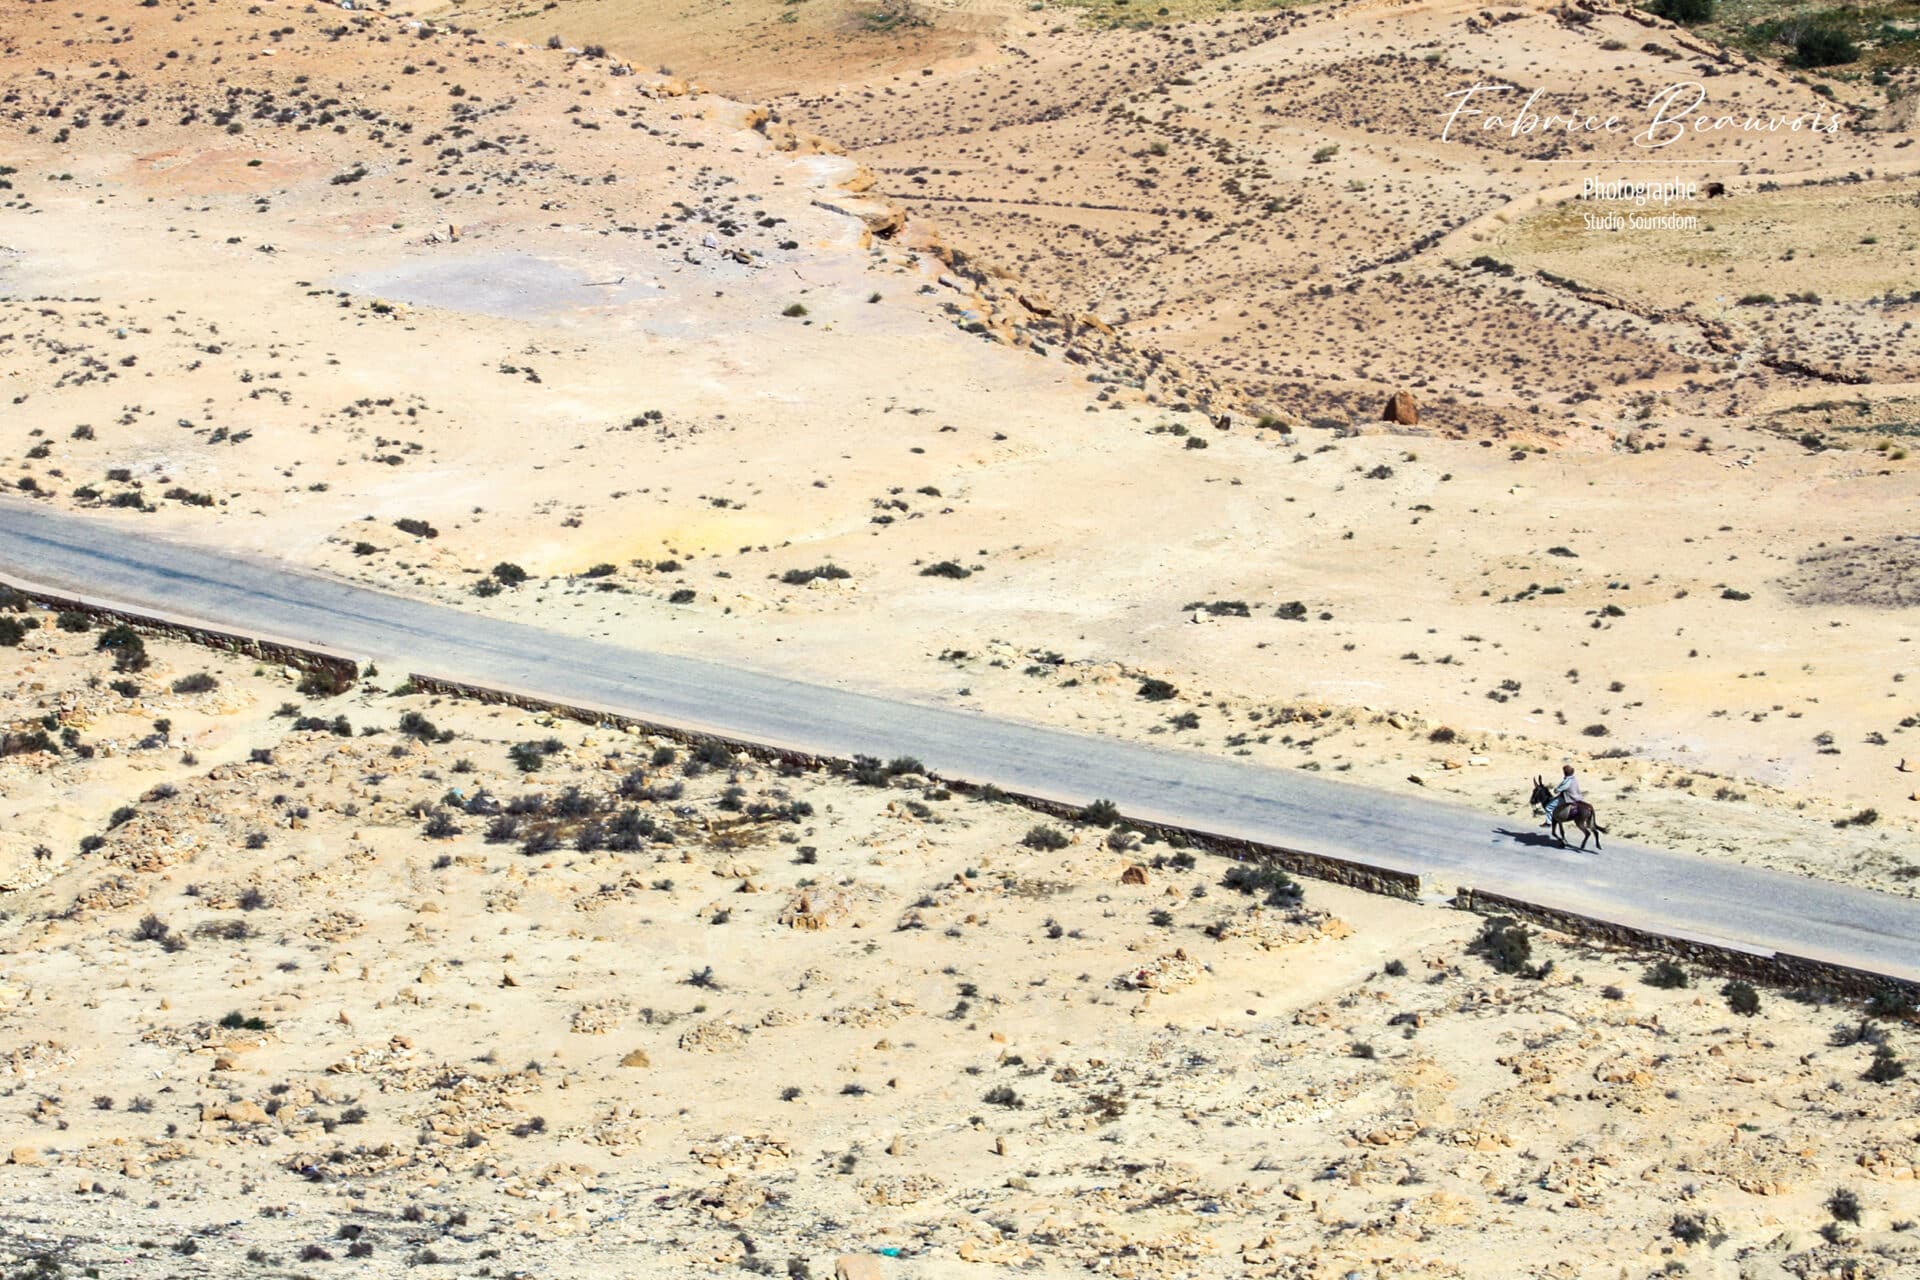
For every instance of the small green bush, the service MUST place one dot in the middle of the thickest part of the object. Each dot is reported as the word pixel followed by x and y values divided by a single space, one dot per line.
pixel 1887 1003
pixel 1506 945
pixel 1824 46
pixel 1685 12
pixel 1885 1067
pixel 801 577
pixel 415 725
pixel 1253 878
pixel 1667 976
pixel 1156 690
pixel 128 649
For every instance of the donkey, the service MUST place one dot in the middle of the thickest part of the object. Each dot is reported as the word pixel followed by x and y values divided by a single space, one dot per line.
pixel 1577 812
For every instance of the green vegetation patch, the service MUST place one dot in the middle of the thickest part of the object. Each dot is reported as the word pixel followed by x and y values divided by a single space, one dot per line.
pixel 1141 14
pixel 1820 36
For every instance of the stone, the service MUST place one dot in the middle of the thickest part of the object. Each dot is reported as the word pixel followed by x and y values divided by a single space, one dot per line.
pixel 857 1266
pixel 248 1113
pixel 879 217
pixel 1135 874
pixel 25 1155
pixel 236 1113
pixel 638 1058
pixel 1401 410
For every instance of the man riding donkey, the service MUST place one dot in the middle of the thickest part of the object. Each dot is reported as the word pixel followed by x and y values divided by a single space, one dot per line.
pixel 1565 804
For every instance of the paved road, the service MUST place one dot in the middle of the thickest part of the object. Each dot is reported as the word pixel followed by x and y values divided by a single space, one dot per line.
pixel 1448 845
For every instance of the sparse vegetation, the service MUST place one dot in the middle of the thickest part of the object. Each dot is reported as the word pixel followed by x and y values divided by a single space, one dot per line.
pixel 1666 975
pixel 1046 838
pixel 1265 881
pixel 1156 690
pixel 1507 946
pixel 825 572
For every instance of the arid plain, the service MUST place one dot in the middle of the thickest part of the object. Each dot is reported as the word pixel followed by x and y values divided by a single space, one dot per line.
pixel 1064 339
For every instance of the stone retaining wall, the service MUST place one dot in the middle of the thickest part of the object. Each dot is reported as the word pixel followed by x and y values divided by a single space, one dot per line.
pixel 1775 969
pixel 336 671
pixel 1358 875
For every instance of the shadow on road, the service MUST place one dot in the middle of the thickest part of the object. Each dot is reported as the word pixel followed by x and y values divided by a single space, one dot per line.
pixel 1537 840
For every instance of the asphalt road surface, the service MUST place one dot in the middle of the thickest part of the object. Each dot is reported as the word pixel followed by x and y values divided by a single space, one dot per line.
pixel 1448 845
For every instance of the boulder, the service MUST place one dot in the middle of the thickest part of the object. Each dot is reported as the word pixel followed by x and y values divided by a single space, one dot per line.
pixel 1401 410
pixel 857 1266
pixel 251 1113
pixel 881 219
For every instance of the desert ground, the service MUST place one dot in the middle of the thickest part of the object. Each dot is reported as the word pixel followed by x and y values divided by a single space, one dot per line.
pixel 383 984
pixel 1018 357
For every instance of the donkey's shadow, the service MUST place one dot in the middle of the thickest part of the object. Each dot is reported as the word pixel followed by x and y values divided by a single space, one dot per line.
pixel 1535 839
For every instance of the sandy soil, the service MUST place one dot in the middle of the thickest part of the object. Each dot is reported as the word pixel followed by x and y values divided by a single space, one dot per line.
pixel 685 1015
